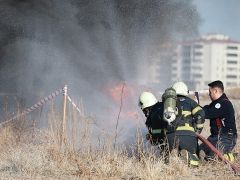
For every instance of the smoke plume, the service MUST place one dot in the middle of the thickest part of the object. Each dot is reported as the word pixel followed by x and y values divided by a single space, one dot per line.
pixel 87 44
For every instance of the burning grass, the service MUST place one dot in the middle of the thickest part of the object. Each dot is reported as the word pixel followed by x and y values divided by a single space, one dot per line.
pixel 39 154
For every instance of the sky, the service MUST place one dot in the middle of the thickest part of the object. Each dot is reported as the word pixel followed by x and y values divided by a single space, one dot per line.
pixel 219 16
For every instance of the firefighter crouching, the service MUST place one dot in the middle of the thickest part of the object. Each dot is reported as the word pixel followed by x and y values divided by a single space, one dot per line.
pixel 153 110
pixel 189 119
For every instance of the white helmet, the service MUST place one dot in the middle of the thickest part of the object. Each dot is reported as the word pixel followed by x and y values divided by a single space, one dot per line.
pixel 147 99
pixel 180 88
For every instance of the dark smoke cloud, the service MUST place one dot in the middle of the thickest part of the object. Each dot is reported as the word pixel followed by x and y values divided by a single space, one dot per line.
pixel 86 44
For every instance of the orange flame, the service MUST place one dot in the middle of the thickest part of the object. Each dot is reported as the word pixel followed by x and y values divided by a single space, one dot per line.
pixel 124 93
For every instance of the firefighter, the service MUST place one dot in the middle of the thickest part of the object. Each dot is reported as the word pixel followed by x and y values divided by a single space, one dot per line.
pixel 153 110
pixel 189 120
pixel 222 122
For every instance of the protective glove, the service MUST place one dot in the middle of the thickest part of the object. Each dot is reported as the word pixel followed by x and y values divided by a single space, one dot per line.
pixel 199 130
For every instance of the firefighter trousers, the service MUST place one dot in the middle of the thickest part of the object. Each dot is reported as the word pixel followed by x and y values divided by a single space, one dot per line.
pixel 186 142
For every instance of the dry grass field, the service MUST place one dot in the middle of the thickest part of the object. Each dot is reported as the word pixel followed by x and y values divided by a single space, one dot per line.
pixel 27 152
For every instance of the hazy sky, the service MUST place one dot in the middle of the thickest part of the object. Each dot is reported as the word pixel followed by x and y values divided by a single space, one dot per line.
pixel 220 16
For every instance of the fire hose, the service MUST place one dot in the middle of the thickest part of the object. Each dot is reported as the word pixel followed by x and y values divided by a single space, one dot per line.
pixel 235 168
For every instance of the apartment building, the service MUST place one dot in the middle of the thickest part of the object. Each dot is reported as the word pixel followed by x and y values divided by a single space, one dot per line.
pixel 211 57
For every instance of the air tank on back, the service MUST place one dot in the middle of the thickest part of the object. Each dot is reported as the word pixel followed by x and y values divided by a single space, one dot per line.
pixel 169 99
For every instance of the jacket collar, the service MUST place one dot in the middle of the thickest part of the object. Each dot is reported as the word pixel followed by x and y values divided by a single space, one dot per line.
pixel 223 96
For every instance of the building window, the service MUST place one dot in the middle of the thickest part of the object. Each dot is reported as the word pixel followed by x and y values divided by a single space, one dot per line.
pixel 186 53
pixel 232 55
pixel 197 60
pixel 197 76
pixel 187 48
pixel 231 84
pixel 198 46
pixel 232 69
pixel 231 62
pixel 197 53
pixel 232 76
pixel 185 67
pixel 196 68
pixel 232 47
pixel 186 61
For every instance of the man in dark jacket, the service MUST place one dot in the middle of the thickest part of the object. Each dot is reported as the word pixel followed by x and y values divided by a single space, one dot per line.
pixel 222 122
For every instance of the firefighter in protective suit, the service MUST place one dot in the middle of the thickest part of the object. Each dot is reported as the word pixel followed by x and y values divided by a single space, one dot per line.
pixel 188 121
pixel 153 110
